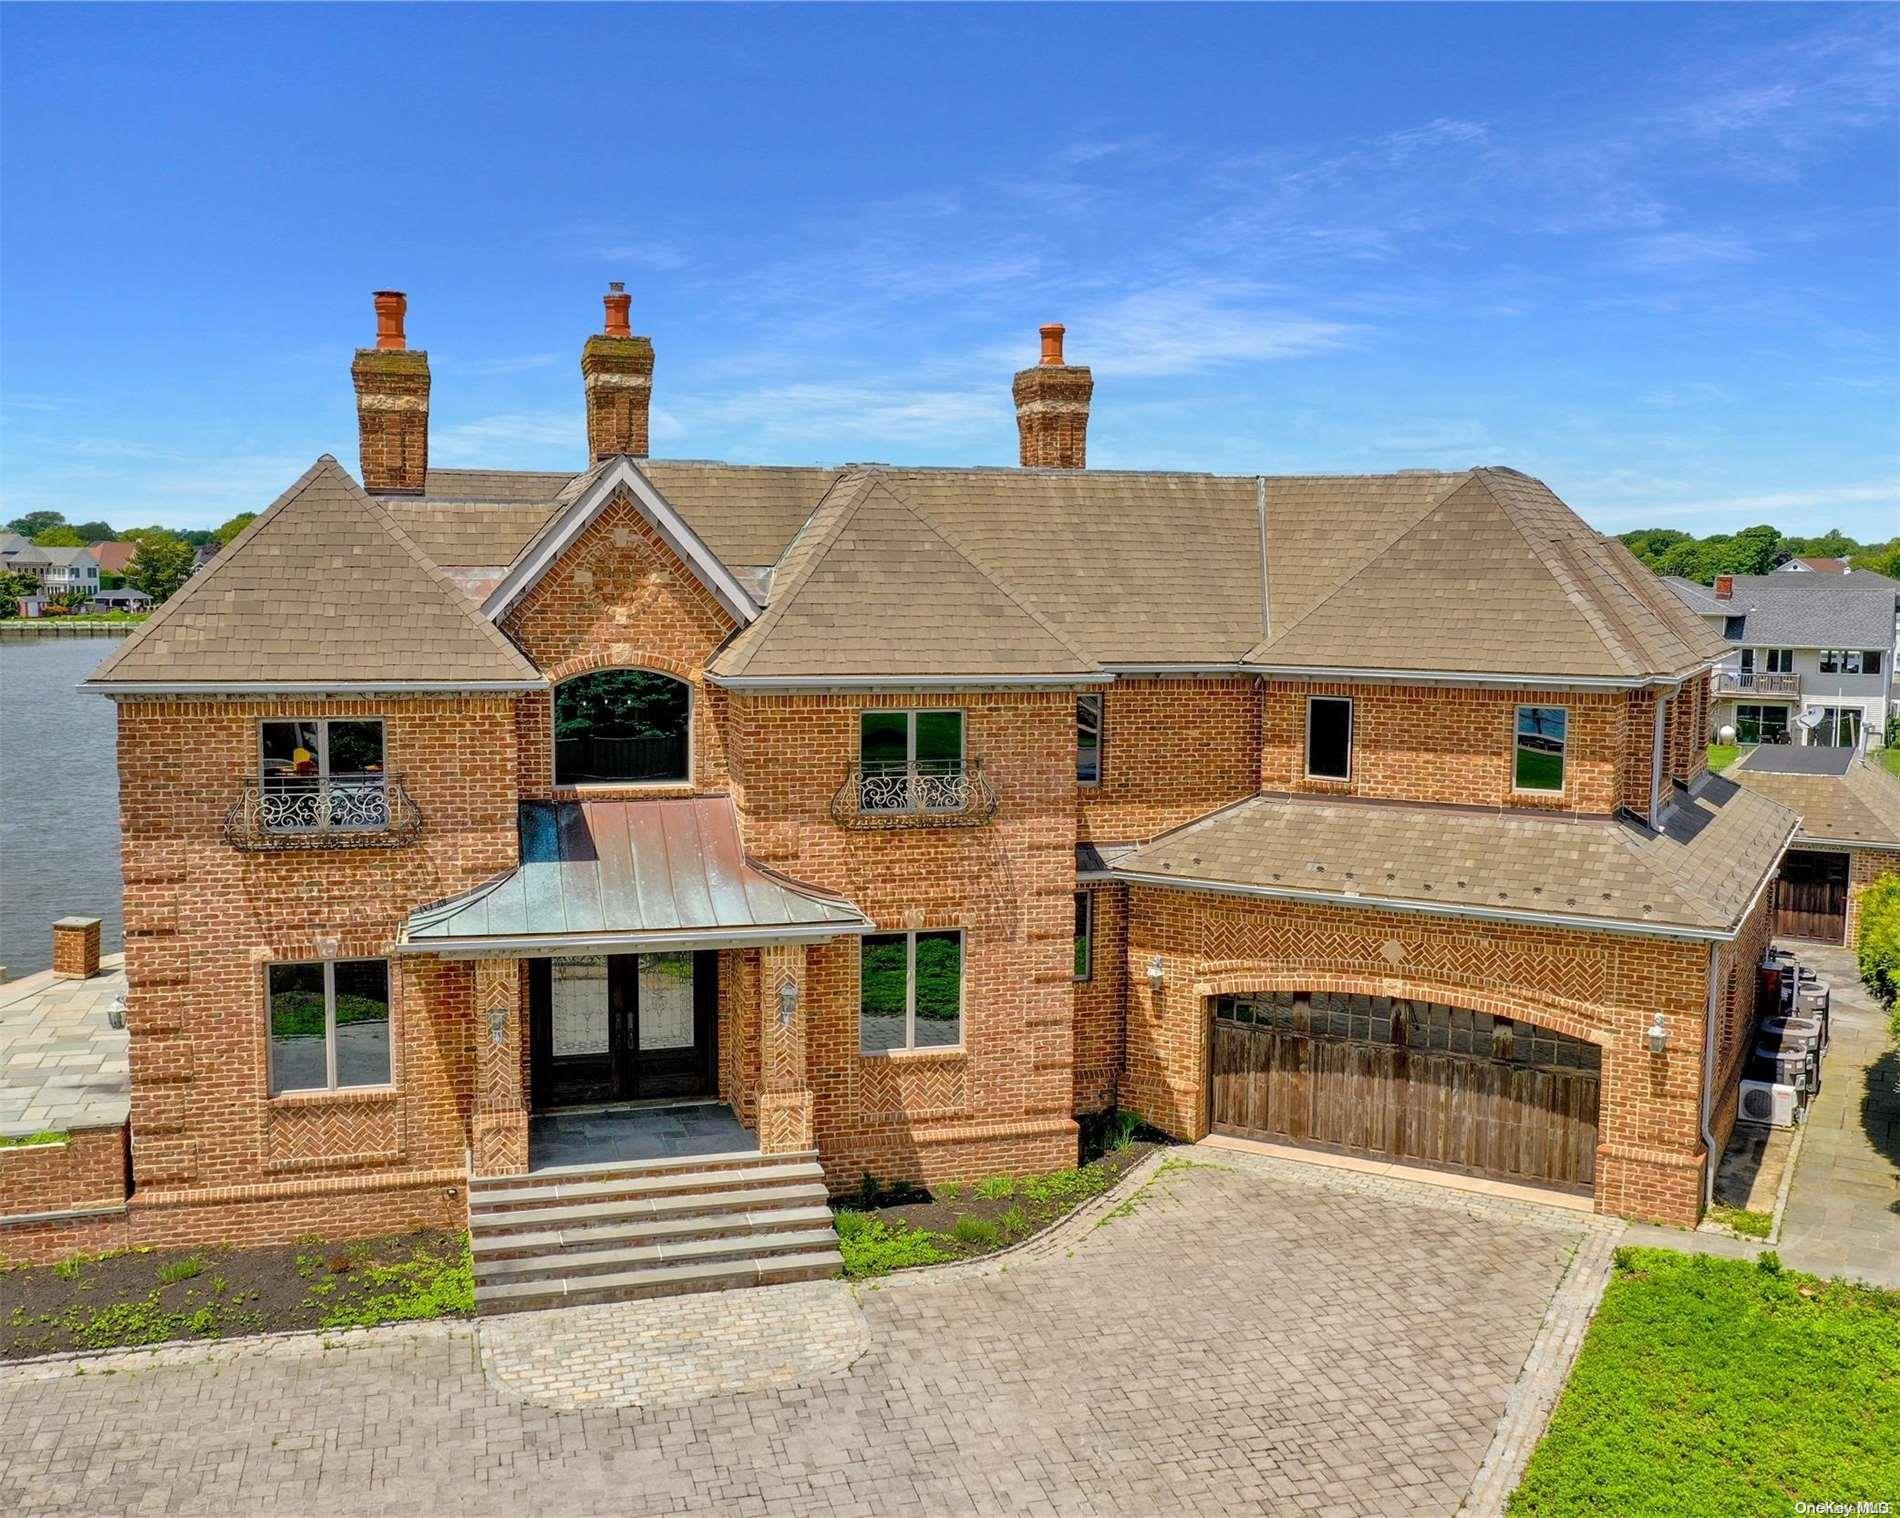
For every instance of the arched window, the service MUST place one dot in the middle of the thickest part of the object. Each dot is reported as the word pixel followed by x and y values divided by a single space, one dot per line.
pixel 620 727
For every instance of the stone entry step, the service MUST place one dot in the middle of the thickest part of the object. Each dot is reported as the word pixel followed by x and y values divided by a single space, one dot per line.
pixel 618 1232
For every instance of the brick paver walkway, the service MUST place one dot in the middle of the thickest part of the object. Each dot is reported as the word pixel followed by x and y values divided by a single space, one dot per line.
pixel 1247 1336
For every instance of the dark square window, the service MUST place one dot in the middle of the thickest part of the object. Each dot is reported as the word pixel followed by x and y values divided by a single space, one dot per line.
pixel 1329 738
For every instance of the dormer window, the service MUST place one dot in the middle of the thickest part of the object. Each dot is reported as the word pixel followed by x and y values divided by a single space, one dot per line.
pixel 319 775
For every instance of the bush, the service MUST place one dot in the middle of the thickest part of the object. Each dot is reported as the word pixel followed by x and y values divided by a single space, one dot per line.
pixel 1877 943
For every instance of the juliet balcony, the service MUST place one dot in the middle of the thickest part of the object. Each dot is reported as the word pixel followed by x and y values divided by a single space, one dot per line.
pixel 1748 682
pixel 275 813
pixel 918 793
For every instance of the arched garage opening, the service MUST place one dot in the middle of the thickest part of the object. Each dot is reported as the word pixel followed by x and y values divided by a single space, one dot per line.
pixel 622 727
pixel 1409 1081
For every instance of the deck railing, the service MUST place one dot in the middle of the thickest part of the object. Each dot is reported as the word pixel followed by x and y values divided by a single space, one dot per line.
pixel 924 793
pixel 330 812
pixel 1749 682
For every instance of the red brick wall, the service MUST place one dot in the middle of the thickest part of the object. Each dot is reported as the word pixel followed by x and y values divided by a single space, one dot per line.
pixel 1600 986
pixel 1445 744
pixel 1737 971
pixel 620 598
pixel 202 919
pixel 1172 751
pixel 1006 1100
pixel 1100 1021
pixel 87 1169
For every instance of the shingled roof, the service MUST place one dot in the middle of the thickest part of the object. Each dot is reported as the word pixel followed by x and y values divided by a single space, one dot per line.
pixel 323 590
pixel 1695 878
pixel 1859 804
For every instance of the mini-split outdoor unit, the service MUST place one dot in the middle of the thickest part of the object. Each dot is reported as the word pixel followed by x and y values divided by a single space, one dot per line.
pixel 1767 1102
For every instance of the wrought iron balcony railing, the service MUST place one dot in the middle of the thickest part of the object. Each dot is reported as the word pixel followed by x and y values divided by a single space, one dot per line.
pixel 1755 683
pixel 337 812
pixel 927 793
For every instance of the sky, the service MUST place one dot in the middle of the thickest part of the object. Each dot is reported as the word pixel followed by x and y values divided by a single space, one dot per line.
pixel 1649 254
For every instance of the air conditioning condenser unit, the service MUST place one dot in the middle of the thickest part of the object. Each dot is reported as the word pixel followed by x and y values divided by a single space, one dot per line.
pixel 1767 1102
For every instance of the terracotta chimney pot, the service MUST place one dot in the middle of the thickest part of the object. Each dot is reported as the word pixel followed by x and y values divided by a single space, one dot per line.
pixel 1052 408
pixel 1052 343
pixel 391 305
pixel 618 303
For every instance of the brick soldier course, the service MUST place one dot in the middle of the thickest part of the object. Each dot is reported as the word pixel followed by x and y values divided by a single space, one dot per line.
pixel 1206 615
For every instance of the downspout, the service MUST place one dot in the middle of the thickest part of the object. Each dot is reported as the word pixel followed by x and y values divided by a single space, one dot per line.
pixel 1708 1084
pixel 1661 708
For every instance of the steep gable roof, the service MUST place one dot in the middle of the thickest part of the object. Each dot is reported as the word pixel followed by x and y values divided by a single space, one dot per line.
pixel 872 587
pixel 1497 576
pixel 322 591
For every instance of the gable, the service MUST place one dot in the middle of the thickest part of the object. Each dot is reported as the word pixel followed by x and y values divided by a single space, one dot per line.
pixel 322 591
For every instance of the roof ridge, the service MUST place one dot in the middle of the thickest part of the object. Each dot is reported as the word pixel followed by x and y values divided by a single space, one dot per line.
pixel 1007 591
pixel 211 571
pixel 760 630
pixel 1431 506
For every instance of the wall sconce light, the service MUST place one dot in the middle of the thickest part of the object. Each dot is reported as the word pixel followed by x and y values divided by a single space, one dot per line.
pixel 1156 973
pixel 787 1003
pixel 1658 1035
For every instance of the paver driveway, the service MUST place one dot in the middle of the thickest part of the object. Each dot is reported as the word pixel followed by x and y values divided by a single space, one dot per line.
pixel 1258 1337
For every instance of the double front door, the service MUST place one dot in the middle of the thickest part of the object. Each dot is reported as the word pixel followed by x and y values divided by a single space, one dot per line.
pixel 623 1027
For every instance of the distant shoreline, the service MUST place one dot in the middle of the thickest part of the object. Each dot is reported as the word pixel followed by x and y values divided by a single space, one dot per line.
pixel 65 627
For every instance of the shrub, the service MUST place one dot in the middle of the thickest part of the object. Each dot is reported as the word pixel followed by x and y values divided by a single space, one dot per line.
pixel 1877 943
pixel 872 1247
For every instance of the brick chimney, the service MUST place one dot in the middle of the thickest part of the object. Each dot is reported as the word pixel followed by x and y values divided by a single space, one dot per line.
pixel 1052 408
pixel 1724 587
pixel 617 374
pixel 392 404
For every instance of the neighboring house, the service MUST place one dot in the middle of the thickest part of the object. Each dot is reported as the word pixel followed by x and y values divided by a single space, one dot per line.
pixel 918 815
pixel 70 571
pixel 115 556
pixel 1811 657
pixel 1813 566
pixel 123 599
pixel 1850 834
pixel 20 555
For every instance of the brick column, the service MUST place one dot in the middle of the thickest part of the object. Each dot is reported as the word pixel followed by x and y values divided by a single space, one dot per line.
pixel 76 948
pixel 785 1095
pixel 499 1125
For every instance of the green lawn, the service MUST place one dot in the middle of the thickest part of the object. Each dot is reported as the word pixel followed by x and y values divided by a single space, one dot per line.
pixel 1723 1388
pixel 1890 757
pixel 1722 755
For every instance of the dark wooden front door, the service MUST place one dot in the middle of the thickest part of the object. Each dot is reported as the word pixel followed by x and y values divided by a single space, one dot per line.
pixel 1811 897
pixel 1411 1081
pixel 622 1027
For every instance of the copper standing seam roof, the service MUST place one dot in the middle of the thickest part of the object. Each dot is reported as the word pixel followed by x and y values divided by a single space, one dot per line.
pixel 626 876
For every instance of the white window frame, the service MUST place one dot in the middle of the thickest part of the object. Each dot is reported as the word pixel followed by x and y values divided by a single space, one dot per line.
pixel 1842 661
pixel 1352 732
pixel 910 1045
pixel 1563 754
pixel 1086 900
pixel 1101 735
pixel 692 748
pixel 329 1026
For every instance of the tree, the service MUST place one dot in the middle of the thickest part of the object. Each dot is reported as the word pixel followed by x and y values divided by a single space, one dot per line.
pixel 1882 560
pixel 95 532
pixel 58 536
pixel 163 564
pixel 1877 940
pixel 14 585
pixel 33 523
pixel 233 527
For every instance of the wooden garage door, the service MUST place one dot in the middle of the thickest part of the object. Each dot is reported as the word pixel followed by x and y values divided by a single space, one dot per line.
pixel 1411 1081
pixel 1811 897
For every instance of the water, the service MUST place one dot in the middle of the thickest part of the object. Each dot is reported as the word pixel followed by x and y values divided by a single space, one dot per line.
pixel 59 797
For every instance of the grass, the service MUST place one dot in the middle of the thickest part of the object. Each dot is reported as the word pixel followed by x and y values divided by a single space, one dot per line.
pixel 426 1285
pixel 1722 755
pixel 980 1232
pixel 1889 759
pixel 31 1140
pixel 173 1271
pixel 1723 1388
pixel 1750 1225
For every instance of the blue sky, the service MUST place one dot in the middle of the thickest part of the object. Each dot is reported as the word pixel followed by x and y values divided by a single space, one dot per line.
pixel 1651 254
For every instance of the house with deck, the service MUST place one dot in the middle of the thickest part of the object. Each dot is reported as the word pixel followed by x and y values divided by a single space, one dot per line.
pixel 618 860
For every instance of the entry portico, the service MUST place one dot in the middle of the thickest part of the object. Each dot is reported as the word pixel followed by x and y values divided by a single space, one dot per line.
pixel 635 953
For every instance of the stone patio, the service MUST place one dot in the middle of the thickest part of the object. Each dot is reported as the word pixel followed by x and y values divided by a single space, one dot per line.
pixel 600 1135
pixel 62 1065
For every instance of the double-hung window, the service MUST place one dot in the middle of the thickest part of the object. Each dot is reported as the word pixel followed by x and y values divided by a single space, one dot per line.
pixel 322 774
pixel 911 761
pixel 329 1025
pixel 910 991
pixel 1328 738
pixel 1088 738
pixel 1541 735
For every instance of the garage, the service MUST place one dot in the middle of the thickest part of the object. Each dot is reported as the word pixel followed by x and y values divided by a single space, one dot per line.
pixel 1811 896
pixel 1408 1081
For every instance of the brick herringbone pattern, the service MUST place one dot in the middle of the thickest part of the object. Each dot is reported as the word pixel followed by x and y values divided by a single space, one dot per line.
pixel 902 1089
